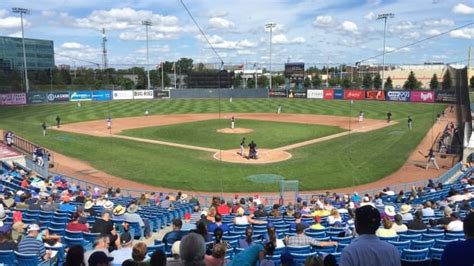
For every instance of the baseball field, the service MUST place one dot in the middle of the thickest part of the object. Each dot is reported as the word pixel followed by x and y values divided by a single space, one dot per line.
pixel 175 146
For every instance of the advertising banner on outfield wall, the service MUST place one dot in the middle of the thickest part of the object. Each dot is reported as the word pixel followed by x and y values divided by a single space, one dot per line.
pixel 277 93
pixel 338 94
pixel 422 96
pixel 446 96
pixel 143 94
pixel 36 97
pixel 12 98
pixel 122 95
pixel 58 96
pixel 77 96
pixel 162 94
pixel 399 96
pixel 297 94
pixel 375 95
pixel 354 94
pixel 315 94
pixel 328 94
pixel 101 95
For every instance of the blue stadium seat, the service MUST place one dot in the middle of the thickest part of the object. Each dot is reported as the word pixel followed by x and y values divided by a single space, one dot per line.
pixel 135 230
pixel 276 258
pixel 435 255
pixel 403 237
pixel 152 248
pixel 343 240
pixel 300 258
pixel 422 244
pixel 29 260
pixel 316 234
pixel 440 243
pixel 73 234
pixel 453 236
pixel 401 245
pixel 410 255
pixel 392 238
pixel 7 257
pixel 330 249
pixel 429 236
pixel 90 237
pixel 299 250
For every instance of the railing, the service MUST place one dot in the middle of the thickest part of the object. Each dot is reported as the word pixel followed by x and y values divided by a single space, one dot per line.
pixel 25 146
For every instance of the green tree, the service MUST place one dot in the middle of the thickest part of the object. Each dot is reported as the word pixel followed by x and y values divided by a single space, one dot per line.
pixel 377 81
pixel 307 83
pixel 388 84
pixel 185 65
pixel 434 83
pixel 356 82
pixel 262 81
pixel 334 81
pixel 251 83
pixel 346 83
pixel 471 82
pixel 367 82
pixel 411 83
pixel 447 82
pixel 278 80
pixel 237 82
pixel 317 81
pixel 125 83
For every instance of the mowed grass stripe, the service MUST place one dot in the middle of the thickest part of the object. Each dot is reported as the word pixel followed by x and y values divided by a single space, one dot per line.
pixel 345 161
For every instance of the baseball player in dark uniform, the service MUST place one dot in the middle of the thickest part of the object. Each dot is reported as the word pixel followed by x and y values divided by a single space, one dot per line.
pixel 389 117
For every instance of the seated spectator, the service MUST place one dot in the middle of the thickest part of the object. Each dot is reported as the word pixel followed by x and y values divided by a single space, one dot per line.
pixel 75 256
pixel 125 252
pixel 447 217
pixel 88 210
pixel 201 229
pixel 132 217
pixel 176 234
pixel 417 223
pixel 405 212
pixel 456 224
pixel 300 239
pixel 166 204
pixel 105 227
pixel 18 231
pixel 272 236
pixel 260 212
pixel 218 224
pixel 334 217
pixel 211 213
pixel 101 244
pixel 387 230
pixel 289 210
pixel 242 219
pixel 192 249
pixel 139 256
pixel 399 226
pixel 298 220
pixel 217 257
pixel 158 258
pixel 427 210
pixel 188 225
pixel 367 248
pixel 275 212
pixel 31 245
pixel 50 205
pixel 389 211
pixel 75 226
pixel 247 240
pixel 99 258
pixel 317 224
pixel 459 252
pixel 218 234
pixel 251 255
pixel 118 213
pixel 6 243
pixel 223 208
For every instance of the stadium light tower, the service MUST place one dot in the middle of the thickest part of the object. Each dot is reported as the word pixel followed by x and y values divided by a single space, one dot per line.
pixel 22 11
pixel 270 26
pixel 147 24
pixel 384 16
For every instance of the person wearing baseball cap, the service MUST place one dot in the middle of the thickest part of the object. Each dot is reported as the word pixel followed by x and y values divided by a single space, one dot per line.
pixel 124 253
pixel 31 245
pixel 99 258
pixel 367 248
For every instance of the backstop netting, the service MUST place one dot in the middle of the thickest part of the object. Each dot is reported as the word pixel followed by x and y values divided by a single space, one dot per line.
pixel 289 190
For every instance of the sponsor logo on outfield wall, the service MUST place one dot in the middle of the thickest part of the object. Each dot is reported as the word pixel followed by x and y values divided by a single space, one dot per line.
pixel 354 94
pixel 101 95
pixel 143 94
pixel 315 94
pixel 277 93
pixel 328 94
pixel 338 94
pixel 400 96
pixel 12 98
pixel 297 94
pixel 36 97
pixel 446 97
pixel 77 96
pixel 160 94
pixel 422 96
pixel 375 95
pixel 122 95
pixel 62 96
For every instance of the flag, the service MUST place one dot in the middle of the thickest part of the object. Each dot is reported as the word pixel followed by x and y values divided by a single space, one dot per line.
pixel 174 65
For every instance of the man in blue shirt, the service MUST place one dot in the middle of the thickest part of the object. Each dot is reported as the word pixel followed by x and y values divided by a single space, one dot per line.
pixel 250 256
pixel 460 252
pixel 368 249
pixel 175 235
pixel 212 226
pixel 30 245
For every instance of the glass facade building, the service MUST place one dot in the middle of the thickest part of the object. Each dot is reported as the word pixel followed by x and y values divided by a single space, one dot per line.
pixel 39 53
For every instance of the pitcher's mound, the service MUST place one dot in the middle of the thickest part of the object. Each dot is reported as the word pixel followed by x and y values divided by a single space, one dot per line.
pixel 264 156
pixel 237 130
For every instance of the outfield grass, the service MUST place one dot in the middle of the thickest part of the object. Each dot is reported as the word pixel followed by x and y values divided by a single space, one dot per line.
pixel 350 160
pixel 266 134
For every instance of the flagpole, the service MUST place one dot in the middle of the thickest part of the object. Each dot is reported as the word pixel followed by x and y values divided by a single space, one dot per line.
pixel 174 68
pixel 162 77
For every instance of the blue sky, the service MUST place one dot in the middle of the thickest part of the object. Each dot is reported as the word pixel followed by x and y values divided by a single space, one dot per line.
pixel 312 31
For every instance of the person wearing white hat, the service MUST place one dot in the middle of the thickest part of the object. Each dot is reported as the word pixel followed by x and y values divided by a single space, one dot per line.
pixel 131 216
pixel 30 245
pixel 405 212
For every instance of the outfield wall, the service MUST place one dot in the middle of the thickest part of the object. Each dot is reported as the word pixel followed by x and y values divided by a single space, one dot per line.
pixel 425 96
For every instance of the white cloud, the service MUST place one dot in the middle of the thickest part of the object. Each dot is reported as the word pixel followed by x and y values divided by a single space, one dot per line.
pixel 13 22
pixel 218 13
pixel 48 13
pixel 221 23
pixel 463 9
pixel 15 34
pixel 404 26
pixel 154 49
pixel 324 22
pixel 412 35
pixel 246 43
pixel 393 49
pixel 439 22
pixel 433 32
pixel 466 33
pixel 370 16
pixel 282 39
pixel 349 26
pixel 246 52
pixel 3 13
pixel 219 42
pixel 72 45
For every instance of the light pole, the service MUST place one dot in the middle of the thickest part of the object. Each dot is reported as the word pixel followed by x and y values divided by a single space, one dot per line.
pixel 384 16
pixel 147 23
pixel 270 26
pixel 22 11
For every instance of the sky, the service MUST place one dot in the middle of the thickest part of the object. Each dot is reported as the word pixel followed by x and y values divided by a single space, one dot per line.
pixel 316 32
